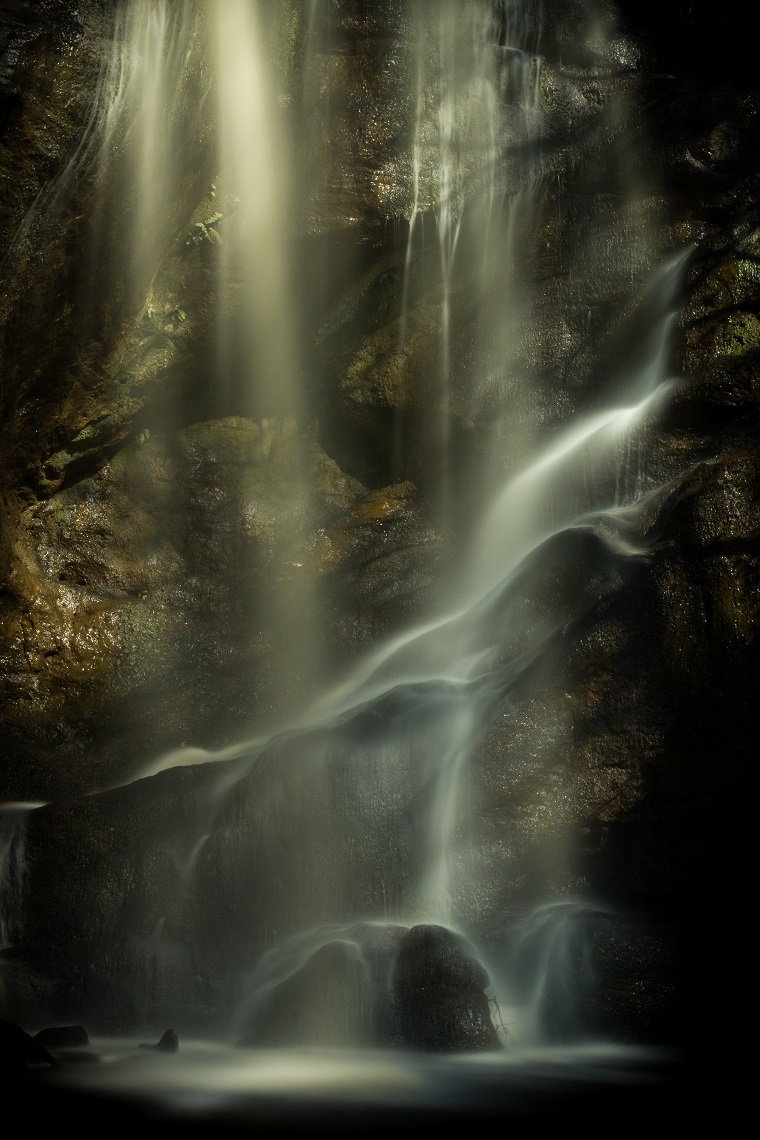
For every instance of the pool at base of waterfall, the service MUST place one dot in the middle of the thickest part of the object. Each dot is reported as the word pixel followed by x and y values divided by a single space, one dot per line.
pixel 207 1085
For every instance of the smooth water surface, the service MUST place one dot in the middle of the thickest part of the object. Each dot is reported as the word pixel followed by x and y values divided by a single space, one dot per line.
pixel 225 1086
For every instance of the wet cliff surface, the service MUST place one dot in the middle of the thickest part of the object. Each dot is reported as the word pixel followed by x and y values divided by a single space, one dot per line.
pixel 155 541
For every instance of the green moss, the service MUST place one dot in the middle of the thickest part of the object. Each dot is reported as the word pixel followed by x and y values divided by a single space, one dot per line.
pixel 747 272
pixel 60 513
pixel 58 463
pixel 377 371
pixel 740 276
pixel 92 430
pixel 741 334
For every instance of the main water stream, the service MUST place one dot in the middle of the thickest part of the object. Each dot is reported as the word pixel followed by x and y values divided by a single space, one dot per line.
pixel 354 821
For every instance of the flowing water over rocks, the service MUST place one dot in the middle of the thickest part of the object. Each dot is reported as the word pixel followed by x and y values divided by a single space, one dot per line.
pixel 380 527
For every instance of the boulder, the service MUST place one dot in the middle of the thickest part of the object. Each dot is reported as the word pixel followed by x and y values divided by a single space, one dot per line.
pixel 168 1043
pixel 438 985
pixel 62 1037
pixel 19 1052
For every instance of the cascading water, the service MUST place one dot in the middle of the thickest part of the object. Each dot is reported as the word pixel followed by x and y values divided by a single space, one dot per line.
pixel 326 840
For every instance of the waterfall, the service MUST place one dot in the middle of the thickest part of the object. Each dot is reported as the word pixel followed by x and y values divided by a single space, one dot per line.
pixel 408 718
pixel 323 840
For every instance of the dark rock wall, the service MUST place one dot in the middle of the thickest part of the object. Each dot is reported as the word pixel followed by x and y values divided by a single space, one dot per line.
pixel 101 381
pixel 151 530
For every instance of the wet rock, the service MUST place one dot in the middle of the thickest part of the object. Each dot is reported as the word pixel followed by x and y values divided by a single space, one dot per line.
pixel 117 922
pixel 439 985
pixel 380 985
pixel 62 1037
pixel 350 138
pixel 168 1043
pixel 19 1052
pixel 128 619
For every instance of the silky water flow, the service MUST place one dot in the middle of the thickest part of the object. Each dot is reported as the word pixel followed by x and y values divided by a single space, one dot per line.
pixel 324 842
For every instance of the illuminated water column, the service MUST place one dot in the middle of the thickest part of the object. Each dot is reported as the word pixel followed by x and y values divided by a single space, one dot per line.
pixel 259 322
pixel 252 255
pixel 138 137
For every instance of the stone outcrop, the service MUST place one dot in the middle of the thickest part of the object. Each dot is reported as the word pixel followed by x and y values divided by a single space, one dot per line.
pixel 62 1037
pixel 439 988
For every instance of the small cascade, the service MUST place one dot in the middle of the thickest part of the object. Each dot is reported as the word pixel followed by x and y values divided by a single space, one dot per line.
pixel 587 468
pixel 559 976
pixel 467 153
pixel 372 984
pixel 134 131
pixel 551 973
pixel 154 45
pixel 330 986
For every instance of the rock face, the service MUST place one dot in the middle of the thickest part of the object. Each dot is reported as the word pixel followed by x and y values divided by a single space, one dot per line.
pixel 149 601
pixel 439 988
pixel 184 563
